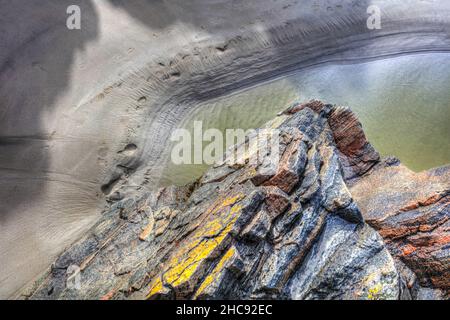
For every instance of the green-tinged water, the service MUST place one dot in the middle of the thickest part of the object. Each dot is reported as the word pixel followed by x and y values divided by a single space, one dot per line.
pixel 403 104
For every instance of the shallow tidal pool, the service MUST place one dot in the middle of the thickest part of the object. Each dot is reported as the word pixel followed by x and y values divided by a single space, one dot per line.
pixel 402 102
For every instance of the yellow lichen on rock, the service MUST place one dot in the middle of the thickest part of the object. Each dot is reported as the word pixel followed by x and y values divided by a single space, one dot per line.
pixel 156 287
pixel 215 273
pixel 185 266
pixel 229 201
pixel 375 292
pixel 206 242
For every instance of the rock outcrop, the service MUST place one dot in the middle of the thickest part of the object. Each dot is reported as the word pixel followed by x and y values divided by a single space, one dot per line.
pixel 329 220
pixel 411 212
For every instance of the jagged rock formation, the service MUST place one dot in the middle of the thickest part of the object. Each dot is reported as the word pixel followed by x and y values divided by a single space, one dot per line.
pixel 74 101
pixel 411 212
pixel 294 232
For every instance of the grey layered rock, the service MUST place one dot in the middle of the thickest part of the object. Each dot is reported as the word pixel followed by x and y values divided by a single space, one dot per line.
pixel 296 234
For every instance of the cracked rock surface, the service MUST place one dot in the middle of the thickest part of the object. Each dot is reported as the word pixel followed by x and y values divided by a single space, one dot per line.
pixel 330 220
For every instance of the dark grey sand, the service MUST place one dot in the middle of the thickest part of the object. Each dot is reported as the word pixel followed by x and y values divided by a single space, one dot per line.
pixel 72 101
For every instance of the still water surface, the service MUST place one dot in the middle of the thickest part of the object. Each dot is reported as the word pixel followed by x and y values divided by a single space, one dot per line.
pixel 403 104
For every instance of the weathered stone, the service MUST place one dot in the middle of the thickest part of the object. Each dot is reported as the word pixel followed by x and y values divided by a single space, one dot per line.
pixel 288 229
pixel 147 230
pixel 358 154
pixel 258 229
pixel 430 294
pixel 276 201
pixel 217 174
pixel 314 105
pixel 362 268
pixel 415 222
pixel 291 166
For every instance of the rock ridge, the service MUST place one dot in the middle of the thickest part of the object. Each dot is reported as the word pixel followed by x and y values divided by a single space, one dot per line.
pixel 332 220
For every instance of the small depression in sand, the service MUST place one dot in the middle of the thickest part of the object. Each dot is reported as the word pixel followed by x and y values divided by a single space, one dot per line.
pixel 402 102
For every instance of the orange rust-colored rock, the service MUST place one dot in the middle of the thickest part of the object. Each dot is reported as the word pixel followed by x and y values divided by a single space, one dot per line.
pixel 147 231
pixel 291 163
pixel 276 201
pixel 411 211
pixel 358 154
pixel 408 249
pixel 108 296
